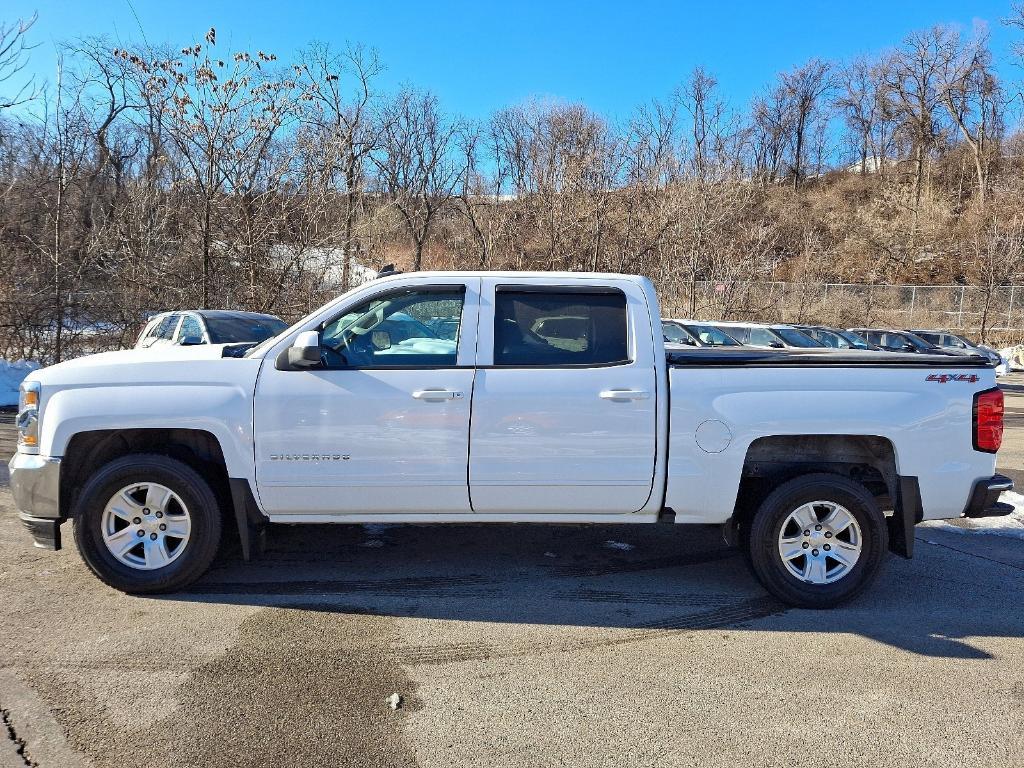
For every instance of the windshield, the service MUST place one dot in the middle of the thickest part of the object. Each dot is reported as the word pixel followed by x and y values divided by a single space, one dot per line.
pixel 228 329
pixel 711 336
pixel 854 341
pixel 917 341
pixel 675 334
pixel 795 338
pixel 828 338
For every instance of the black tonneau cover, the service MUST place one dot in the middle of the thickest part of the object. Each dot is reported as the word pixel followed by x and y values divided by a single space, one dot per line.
pixel 704 357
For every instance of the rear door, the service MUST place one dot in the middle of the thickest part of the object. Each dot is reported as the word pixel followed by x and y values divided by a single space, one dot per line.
pixel 564 405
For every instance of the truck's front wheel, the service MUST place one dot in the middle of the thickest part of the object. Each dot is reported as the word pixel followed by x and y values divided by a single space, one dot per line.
pixel 818 540
pixel 147 523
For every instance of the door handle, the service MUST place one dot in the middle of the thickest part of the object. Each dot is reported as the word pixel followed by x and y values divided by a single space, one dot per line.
pixel 437 395
pixel 622 395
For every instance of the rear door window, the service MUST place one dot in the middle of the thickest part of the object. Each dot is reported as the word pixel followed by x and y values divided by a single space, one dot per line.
pixel 551 328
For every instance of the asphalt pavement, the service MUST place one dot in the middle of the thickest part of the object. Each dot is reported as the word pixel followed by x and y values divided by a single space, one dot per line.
pixel 513 645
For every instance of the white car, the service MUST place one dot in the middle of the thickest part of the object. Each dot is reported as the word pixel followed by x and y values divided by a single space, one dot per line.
pixel 553 400
pixel 696 333
pixel 208 326
pixel 768 336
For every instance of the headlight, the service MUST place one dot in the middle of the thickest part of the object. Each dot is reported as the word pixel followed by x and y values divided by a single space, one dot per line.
pixel 28 414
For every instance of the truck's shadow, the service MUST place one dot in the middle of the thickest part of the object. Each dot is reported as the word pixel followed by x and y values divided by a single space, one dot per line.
pixel 630 580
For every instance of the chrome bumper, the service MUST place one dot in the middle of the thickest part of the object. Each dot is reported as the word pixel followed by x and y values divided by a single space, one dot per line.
pixel 35 485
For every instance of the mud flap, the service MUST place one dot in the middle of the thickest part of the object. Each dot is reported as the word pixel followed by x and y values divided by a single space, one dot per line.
pixel 907 514
pixel 250 521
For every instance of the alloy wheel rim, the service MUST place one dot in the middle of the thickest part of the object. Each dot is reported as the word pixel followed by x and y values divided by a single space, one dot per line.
pixel 146 526
pixel 820 542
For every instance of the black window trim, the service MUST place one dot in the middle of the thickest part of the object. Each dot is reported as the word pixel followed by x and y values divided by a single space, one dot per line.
pixel 459 288
pixel 604 290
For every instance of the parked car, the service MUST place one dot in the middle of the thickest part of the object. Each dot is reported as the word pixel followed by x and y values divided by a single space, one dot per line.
pixel 208 326
pixel 835 338
pixel 898 341
pixel 152 452
pixel 768 336
pixel 958 344
pixel 694 333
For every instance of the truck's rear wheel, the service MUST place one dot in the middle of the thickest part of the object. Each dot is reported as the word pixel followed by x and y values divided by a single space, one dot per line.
pixel 818 541
pixel 146 523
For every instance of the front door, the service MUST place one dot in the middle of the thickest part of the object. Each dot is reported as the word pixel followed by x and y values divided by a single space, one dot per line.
pixel 564 407
pixel 382 425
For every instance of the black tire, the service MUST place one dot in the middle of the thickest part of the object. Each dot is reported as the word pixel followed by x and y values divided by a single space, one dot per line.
pixel 766 528
pixel 193 490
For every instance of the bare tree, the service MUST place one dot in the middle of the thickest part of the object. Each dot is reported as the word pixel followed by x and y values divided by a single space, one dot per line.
pixel 861 106
pixel 338 91
pixel 415 163
pixel 998 255
pixel 804 88
pixel 14 50
pixel 771 128
pixel 913 83
pixel 219 114
pixel 973 100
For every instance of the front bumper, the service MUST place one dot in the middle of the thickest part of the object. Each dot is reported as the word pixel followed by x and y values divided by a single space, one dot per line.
pixel 984 500
pixel 35 486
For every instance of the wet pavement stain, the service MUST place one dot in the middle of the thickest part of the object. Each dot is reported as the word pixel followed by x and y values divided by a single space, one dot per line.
pixel 299 688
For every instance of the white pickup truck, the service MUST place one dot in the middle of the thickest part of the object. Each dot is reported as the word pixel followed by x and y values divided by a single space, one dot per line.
pixel 505 397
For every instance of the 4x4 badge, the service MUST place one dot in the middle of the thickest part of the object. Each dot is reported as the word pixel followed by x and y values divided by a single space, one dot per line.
pixel 942 378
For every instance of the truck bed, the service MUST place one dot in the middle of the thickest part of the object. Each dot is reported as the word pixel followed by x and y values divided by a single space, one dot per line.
pixel 750 357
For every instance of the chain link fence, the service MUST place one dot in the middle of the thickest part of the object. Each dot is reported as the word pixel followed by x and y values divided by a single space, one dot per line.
pixel 98 321
pixel 990 314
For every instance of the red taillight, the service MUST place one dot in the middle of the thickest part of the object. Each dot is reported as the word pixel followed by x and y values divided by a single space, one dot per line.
pixel 988 420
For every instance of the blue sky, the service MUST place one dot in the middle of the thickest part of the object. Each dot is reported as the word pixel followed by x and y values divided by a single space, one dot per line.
pixel 480 56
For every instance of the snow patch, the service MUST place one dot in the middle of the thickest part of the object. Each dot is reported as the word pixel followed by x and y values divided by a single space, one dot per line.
pixel 11 376
pixel 618 545
pixel 1007 525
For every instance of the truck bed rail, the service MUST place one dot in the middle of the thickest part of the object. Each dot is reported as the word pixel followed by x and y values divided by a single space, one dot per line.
pixel 817 358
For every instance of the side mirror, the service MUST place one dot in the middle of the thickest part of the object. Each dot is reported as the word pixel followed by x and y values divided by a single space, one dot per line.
pixel 191 341
pixel 381 340
pixel 305 350
pixel 908 347
pixel 776 345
